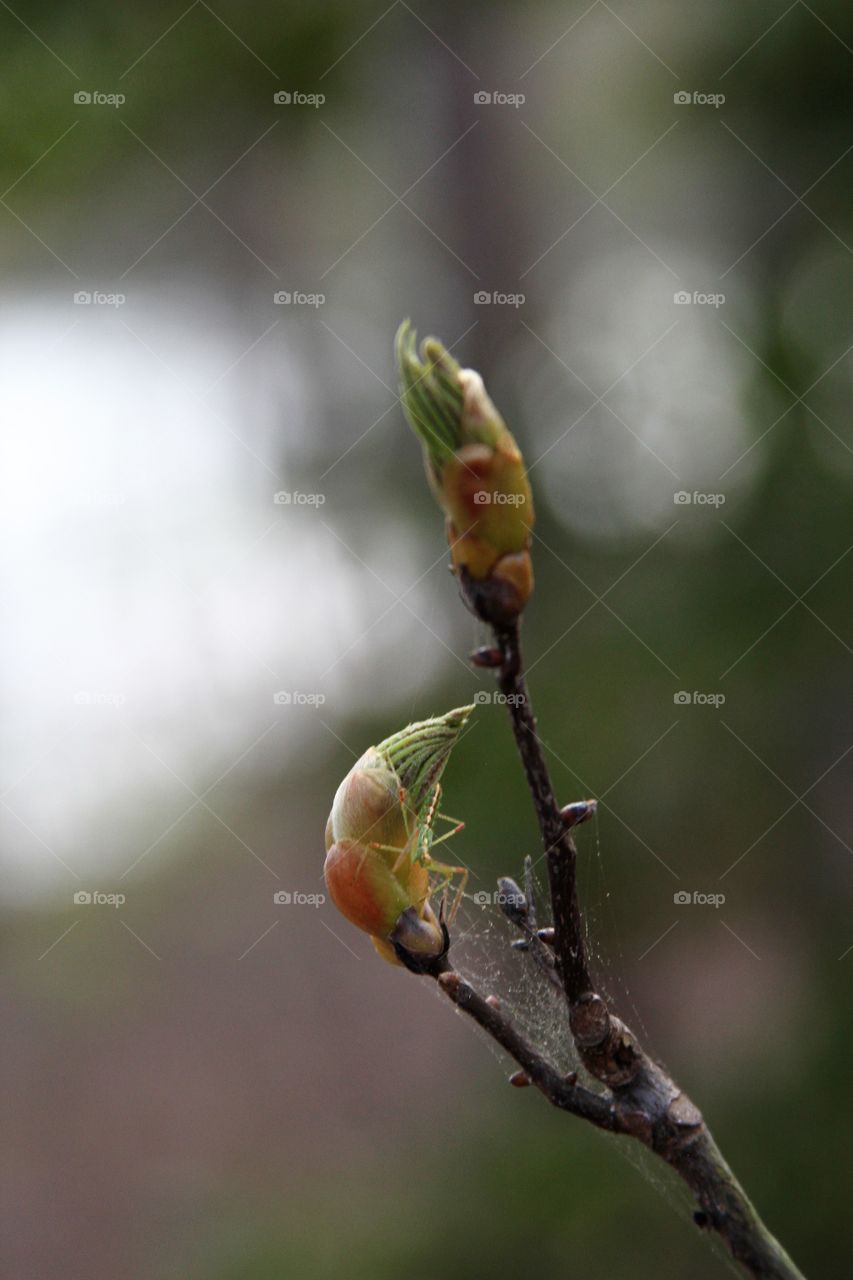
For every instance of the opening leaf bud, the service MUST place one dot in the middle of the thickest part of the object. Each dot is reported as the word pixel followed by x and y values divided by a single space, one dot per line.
pixel 477 474
pixel 379 834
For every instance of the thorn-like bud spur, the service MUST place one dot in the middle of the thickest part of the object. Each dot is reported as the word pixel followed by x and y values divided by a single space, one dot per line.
pixel 477 474
pixel 378 836
pixel 487 656
pixel 578 811
pixel 512 901
pixel 544 935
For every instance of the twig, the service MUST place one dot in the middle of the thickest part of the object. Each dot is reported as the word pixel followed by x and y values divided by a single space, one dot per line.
pixel 561 854
pixel 475 469
pixel 641 1100
pixel 520 909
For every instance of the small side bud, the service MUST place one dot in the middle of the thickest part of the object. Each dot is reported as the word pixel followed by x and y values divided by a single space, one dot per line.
pixel 494 1003
pixel 578 811
pixel 487 656
pixel 512 901
pixel 520 1080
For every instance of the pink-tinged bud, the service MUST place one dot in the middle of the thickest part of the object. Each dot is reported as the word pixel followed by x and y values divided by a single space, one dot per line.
pixel 365 889
pixel 476 472
pixel 367 804
pixel 378 836
pixel 578 811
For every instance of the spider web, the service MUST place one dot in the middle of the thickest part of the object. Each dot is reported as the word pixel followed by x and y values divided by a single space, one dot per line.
pixel 482 953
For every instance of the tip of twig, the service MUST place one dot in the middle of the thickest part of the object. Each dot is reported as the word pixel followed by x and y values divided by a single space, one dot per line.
pixel 513 903
pixel 520 1080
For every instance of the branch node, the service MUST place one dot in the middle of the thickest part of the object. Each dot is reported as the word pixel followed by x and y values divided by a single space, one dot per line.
pixel 578 811
pixel 487 656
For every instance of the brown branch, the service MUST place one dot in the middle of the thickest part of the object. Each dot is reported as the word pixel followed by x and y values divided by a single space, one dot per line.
pixel 561 854
pixel 450 411
pixel 641 1101
pixel 561 1091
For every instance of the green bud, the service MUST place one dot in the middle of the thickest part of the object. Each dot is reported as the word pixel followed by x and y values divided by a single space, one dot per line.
pixel 377 855
pixel 476 472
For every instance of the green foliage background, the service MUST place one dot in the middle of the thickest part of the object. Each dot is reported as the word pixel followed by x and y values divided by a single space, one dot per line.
pixel 308 1111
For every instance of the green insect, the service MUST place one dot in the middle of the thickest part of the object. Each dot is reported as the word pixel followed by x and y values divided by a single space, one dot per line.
pixel 381 836
pixel 420 842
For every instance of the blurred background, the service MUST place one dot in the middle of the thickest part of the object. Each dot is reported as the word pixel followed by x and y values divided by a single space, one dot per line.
pixel 224 577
